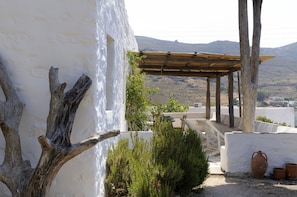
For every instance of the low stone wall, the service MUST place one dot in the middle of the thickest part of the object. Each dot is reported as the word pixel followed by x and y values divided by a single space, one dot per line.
pixel 276 114
pixel 280 149
pixel 262 127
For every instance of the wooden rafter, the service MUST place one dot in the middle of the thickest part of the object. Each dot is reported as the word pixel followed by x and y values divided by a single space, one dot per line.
pixel 191 64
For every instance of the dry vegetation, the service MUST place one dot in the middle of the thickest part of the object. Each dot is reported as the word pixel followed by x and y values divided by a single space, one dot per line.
pixel 188 90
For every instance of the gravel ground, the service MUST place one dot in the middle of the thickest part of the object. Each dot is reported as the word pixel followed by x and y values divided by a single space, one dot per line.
pixel 221 186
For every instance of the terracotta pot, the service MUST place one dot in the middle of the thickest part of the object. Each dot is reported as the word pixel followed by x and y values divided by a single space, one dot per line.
pixel 259 164
pixel 279 173
pixel 291 171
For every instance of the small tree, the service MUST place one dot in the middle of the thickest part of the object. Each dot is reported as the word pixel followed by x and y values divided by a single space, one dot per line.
pixel 181 161
pixel 136 95
pixel 249 62
pixel 172 105
pixel 261 96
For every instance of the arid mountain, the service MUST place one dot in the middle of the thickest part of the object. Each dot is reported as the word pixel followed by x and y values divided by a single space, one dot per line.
pixel 277 77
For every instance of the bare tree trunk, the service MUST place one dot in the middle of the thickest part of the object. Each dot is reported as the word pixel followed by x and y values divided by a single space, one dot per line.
pixel 249 65
pixel 57 149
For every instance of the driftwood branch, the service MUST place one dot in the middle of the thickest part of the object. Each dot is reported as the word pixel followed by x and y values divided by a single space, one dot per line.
pixel 13 168
pixel 57 149
pixel 78 148
pixel 63 107
pixel 10 116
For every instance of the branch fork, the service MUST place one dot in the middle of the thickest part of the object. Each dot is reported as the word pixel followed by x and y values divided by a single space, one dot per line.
pixel 17 174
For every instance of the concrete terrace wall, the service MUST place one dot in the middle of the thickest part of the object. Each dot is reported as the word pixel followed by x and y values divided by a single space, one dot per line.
pixel 280 149
pixel 72 35
pixel 276 114
pixel 277 142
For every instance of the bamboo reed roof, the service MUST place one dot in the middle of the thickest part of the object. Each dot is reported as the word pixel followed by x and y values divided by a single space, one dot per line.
pixel 190 64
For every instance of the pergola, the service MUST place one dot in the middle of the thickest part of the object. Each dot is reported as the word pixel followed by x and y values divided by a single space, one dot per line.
pixel 195 64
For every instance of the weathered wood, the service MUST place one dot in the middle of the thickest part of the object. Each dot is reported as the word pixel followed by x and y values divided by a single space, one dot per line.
pixel 230 97
pixel 239 93
pixel 249 69
pixel 53 157
pixel 57 149
pixel 218 99
pixel 10 116
pixel 207 109
pixel 189 64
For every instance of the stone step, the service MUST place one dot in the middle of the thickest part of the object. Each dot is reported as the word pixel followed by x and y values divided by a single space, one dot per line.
pixel 215 165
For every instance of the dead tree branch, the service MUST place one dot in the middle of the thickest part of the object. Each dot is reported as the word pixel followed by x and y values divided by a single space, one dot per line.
pixel 57 149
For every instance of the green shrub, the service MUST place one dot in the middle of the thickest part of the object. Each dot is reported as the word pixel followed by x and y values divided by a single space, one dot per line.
pixel 172 105
pixel 194 163
pixel 181 160
pixel 117 168
pixel 264 119
pixel 136 95
pixel 142 169
pixel 130 171
pixel 172 161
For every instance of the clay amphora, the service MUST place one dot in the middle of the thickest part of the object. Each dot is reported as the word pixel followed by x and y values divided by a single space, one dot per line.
pixel 259 164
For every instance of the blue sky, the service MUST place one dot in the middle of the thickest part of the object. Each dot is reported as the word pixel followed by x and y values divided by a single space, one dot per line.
pixel 204 21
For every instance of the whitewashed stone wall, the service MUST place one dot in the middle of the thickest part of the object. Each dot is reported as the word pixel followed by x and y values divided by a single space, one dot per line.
pixel 236 155
pixel 72 35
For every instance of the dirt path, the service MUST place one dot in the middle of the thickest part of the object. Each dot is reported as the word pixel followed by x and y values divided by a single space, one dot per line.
pixel 221 186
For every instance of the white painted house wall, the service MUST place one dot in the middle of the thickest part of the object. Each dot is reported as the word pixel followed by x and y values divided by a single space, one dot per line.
pixel 72 35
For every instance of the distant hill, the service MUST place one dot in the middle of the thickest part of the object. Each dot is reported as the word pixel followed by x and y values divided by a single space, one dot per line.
pixel 277 76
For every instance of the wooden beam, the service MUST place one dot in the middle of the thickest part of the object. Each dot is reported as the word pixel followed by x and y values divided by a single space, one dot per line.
pixel 205 67
pixel 207 105
pixel 218 99
pixel 190 60
pixel 187 74
pixel 230 96
pixel 239 92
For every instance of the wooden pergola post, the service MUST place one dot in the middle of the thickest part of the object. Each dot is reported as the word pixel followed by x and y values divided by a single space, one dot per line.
pixel 239 93
pixel 204 65
pixel 218 99
pixel 230 96
pixel 207 109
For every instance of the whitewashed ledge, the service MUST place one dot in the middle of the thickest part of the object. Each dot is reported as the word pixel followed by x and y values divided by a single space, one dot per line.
pixel 280 148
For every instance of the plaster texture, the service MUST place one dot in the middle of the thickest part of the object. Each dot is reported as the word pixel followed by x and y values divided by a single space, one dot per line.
pixel 88 37
pixel 236 155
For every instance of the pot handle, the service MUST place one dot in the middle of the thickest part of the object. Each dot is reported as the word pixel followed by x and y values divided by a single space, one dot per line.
pixel 264 155
pixel 254 154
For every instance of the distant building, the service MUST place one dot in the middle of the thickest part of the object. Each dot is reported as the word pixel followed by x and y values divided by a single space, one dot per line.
pixel 276 98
